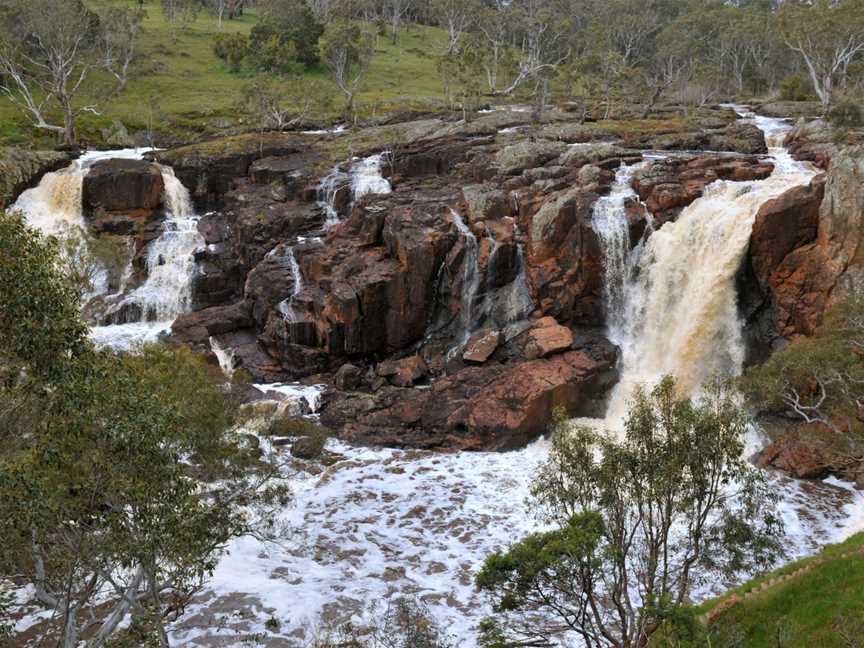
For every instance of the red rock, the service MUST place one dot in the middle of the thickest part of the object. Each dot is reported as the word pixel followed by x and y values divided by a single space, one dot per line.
pixel 404 372
pixel 547 338
pixel 123 186
pixel 481 346
pixel 798 459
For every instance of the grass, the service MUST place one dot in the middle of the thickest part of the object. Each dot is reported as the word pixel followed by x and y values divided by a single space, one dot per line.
pixel 821 607
pixel 186 90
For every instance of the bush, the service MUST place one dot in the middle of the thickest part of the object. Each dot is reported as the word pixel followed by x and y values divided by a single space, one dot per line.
pixel 231 48
pixel 796 88
pixel 846 113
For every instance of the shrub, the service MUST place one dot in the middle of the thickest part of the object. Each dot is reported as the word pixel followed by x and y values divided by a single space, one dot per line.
pixel 846 113
pixel 796 88
pixel 231 48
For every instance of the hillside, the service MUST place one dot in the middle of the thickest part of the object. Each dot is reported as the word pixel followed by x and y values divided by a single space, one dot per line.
pixel 184 89
pixel 818 601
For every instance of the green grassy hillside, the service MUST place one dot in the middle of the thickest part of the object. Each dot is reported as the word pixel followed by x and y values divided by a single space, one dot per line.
pixel 816 602
pixel 186 89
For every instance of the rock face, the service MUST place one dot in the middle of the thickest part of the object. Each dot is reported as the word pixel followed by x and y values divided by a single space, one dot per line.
pixel 805 250
pixel 462 307
pixel 491 407
pixel 130 188
pixel 669 185
pixel 21 169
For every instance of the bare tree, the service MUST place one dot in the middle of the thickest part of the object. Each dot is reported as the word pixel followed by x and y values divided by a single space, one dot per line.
pixel 347 50
pixel 180 13
pixel 454 16
pixel 394 12
pixel 544 47
pixel 120 29
pixel 45 59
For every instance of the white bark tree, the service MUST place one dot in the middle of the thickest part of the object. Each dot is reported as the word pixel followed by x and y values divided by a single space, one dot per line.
pixel 454 17
pixel 45 60
pixel 828 36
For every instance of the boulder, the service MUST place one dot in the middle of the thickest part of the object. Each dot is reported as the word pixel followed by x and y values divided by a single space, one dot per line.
pixel 516 158
pixel 129 187
pixel 481 346
pixel 547 338
pixel 404 372
pixel 349 377
pixel 492 407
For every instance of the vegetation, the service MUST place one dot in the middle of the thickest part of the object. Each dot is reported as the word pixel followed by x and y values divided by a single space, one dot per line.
pixel 817 379
pixel 633 520
pixel 96 491
pixel 818 601
pixel 436 53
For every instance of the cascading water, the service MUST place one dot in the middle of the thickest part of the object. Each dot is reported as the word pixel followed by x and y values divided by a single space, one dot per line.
pixel 55 207
pixel 680 313
pixel 327 192
pixel 286 307
pixel 609 221
pixel 366 176
pixel 470 273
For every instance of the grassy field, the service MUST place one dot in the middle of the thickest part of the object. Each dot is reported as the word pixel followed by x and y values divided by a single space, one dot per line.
pixel 819 603
pixel 186 89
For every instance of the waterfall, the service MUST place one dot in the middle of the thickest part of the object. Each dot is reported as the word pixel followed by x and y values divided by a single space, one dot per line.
pixel 286 307
pixel 326 194
pixel 679 311
pixel 55 207
pixel 470 273
pixel 609 221
pixel 366 177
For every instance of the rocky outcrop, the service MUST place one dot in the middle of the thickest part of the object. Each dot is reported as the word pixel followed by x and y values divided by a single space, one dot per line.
pixel 668 185
pixel 812 141
pixel 805 250
pixel 21 169
pixel 209 169
pixel 119 196
pixel 494 407
pixel 806 453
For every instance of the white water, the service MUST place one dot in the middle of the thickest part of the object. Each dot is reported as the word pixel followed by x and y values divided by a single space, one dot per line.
pixel 366 177
pixel 609 221
pixel 680 313
pixel 286 307
pixel 470 274
pixel 55 207
pixel 327 192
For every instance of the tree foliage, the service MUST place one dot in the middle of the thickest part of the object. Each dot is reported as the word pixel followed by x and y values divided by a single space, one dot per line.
pixel 636 523
pixel 819 379
pixel 98 480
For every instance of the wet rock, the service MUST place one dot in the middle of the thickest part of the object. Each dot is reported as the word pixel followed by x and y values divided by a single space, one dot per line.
pixel 481 346
pixel 404 372
pixel 486 202
pixel 778 299
pixel 516 158
pixel 798 459
pixel 349 377
pixel 566 260
pixel 546 338
pixel 210 169
pixel 667 186
pixel 130 187
pixel 490 407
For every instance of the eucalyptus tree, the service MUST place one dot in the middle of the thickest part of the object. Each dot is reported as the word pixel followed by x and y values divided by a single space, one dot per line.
pixel 347 49
pixel 180 13
pixel 635 522
pixel 47 53
pixel 454 17
pixel 828 36
pixel 101 506
pixel 121 26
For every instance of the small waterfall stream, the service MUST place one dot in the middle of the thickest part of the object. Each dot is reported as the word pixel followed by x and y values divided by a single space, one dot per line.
pixel 470 274
pixel 610 222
